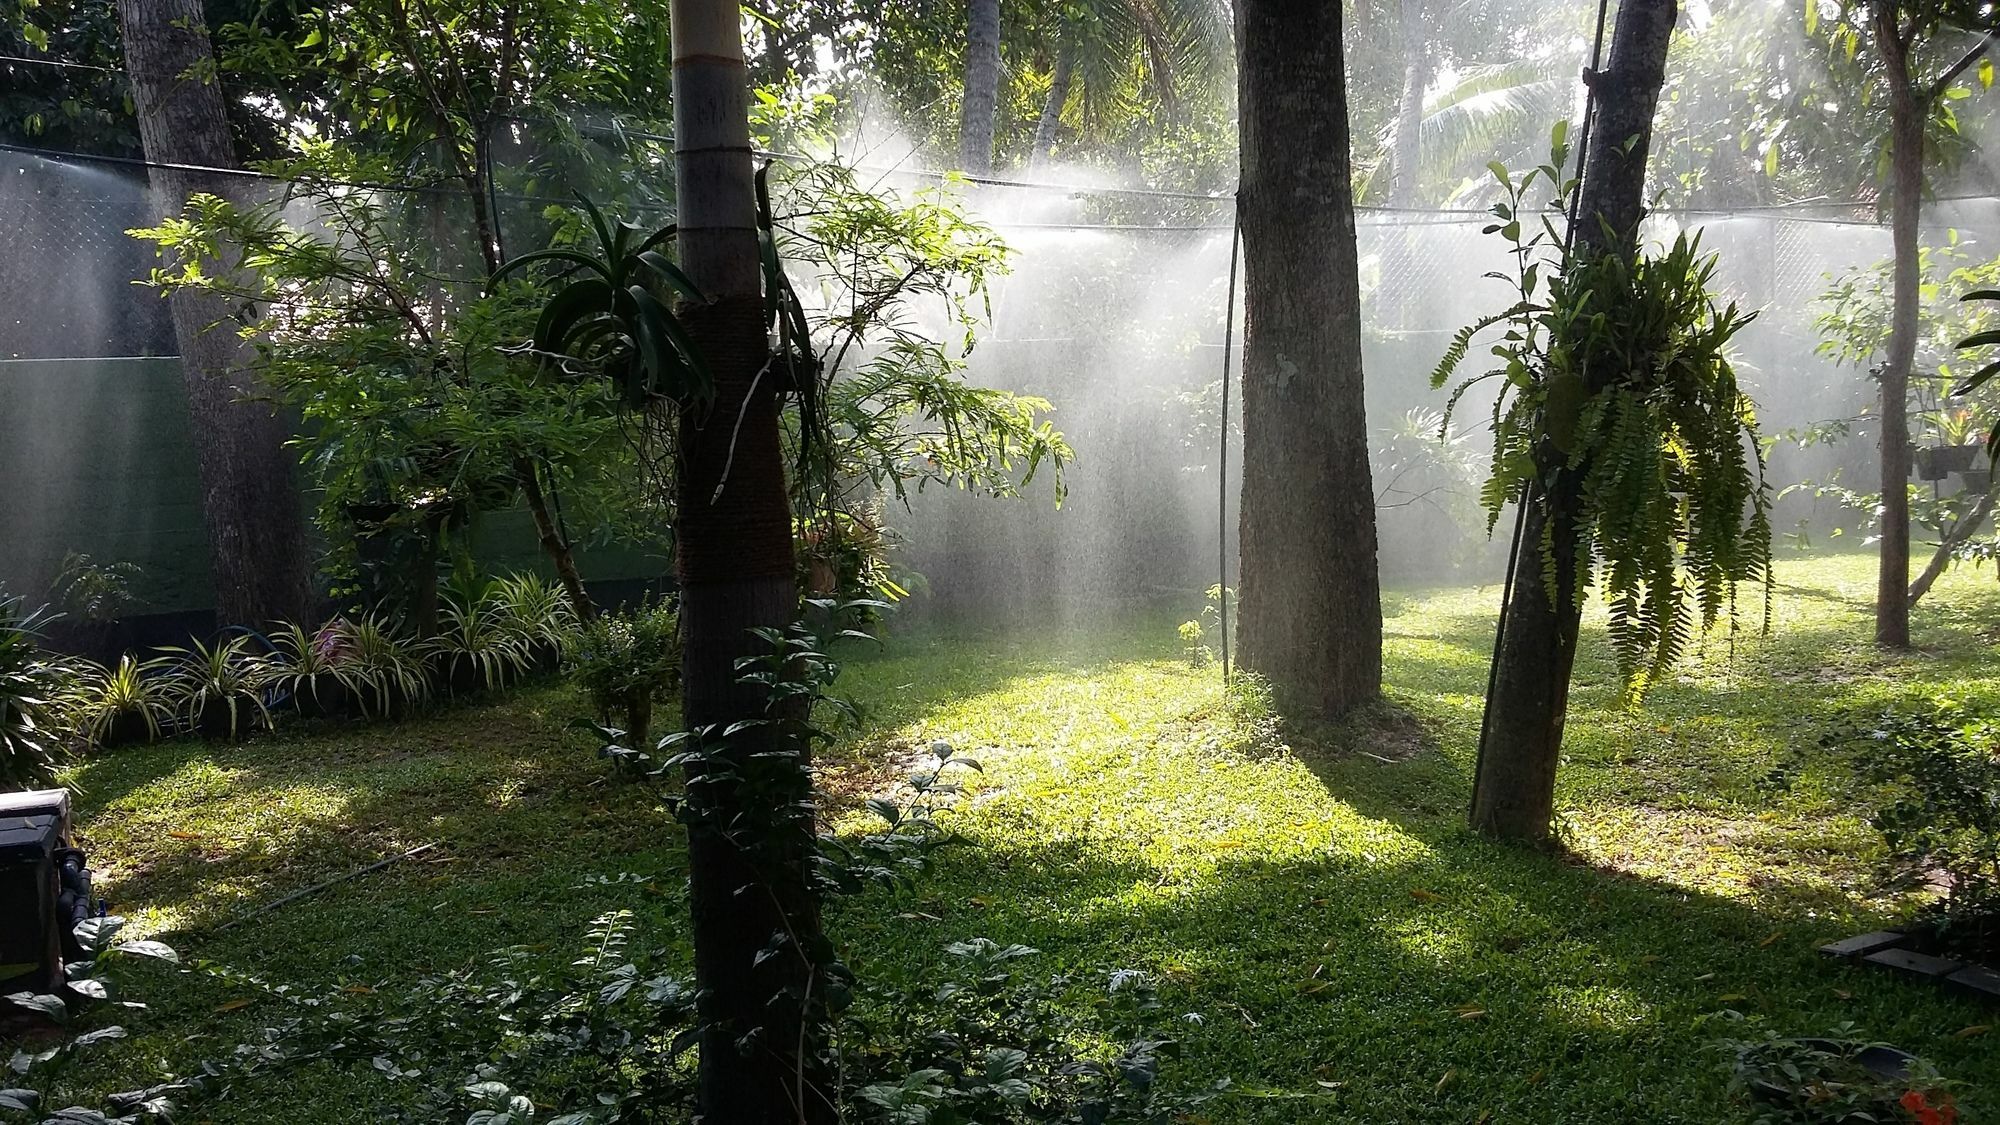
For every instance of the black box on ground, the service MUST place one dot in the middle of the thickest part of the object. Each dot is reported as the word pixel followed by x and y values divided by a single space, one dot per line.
pixel 33 829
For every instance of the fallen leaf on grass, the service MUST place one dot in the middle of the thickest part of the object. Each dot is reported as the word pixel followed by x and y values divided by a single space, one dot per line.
pixel 1969 1032
pixel 1422 895
pixel 237 1004
pixel 1445 1081
pixel 1769 941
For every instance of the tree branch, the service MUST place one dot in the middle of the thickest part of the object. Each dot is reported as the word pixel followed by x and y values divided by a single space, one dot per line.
pixel 1980 48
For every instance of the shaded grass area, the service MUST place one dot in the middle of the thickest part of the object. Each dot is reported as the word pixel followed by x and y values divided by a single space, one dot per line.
pixel 1344 942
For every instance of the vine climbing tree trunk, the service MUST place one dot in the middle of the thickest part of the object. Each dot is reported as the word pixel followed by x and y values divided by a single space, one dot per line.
pixel 1310 611
pixel 250 500
pixel 1906 183
pixel 982 86
pixel 755 914
pixel 1521 739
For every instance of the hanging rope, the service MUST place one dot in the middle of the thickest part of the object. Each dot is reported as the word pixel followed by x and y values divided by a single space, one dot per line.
pixel 1222 478
pixel 1520 510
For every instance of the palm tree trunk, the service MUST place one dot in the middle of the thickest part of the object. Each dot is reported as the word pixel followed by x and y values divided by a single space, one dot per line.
pixel 1406 156
pixel 761 1059
pixel 982 86
pixel 1052 109
pixel 1906 181
pixel 1521 739
pixel 258 555
pixel 1311 614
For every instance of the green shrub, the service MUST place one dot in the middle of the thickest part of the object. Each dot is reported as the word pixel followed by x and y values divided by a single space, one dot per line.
pixel 32 688
pixel 1936 781
pixel 623 663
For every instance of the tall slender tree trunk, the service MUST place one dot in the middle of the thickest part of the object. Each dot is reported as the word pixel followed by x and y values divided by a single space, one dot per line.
pixel 761 1042
pixel 1906 183
pixel 1311 612
pixel 982 86
pixel 1521 740
pixel 1406 155
pixel 1060 82
pixel 251 507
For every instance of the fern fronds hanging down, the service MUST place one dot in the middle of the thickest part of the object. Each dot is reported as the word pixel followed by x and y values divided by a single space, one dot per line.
pixel 1620 392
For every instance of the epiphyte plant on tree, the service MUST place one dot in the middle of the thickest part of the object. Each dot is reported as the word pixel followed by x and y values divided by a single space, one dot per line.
pixel 1617 371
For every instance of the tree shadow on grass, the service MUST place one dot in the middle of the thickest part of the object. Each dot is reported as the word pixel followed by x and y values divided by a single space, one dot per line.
pixel 1473 981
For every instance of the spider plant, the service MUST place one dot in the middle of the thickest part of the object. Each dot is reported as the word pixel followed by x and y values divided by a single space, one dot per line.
pixel 473 647
pixel 131 702
pixel 31 686
pixel 221 686
pixel 392 674
pixel 536 613
pixel 316 671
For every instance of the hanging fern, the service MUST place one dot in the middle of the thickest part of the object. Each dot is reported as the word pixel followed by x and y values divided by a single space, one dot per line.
pixel 1620 392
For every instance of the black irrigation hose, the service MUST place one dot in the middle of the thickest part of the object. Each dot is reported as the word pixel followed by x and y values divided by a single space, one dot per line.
pixel 1222 479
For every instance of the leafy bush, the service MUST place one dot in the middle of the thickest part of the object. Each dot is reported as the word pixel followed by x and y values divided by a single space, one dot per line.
pixel 1936 777
pixel 1830 1081
pixel 31 687
pixel 623 662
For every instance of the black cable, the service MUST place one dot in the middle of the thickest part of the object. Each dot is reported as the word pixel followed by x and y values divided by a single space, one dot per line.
pixel 1222 483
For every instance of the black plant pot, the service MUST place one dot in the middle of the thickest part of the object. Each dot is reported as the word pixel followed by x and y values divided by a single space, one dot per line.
pixel 1887 1064
pixel 323 697
pixel 462 675
pixel 126 728
pixel 1976 481
pixel 213 721
pixel 1936 462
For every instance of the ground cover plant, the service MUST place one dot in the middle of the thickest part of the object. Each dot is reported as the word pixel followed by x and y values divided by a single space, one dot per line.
pixel 1346 950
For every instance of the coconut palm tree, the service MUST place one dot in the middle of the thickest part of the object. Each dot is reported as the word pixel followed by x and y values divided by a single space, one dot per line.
pixel 1103 47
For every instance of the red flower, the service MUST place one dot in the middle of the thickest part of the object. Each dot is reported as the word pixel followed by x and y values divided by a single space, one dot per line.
pixel 1920 1108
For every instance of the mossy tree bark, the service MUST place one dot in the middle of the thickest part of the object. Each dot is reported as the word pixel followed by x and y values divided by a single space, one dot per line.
pixel 1310 613
pixel 251 505
pixel 761 1037
pixel 1521 739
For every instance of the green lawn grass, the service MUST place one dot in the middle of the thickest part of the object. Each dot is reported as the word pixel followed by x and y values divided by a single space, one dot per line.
pixel 1310 893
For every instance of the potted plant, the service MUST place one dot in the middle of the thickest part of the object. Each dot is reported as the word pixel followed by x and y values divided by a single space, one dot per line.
pixel 538 616
pixel 315 672
pixel 1838 1081
pixel 1956 439
pixel 473 649
pixel 391 674
pixel 131 702
pixel 221 687
pixel 623 662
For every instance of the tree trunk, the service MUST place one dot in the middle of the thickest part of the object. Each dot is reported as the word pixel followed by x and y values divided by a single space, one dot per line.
pixel 1521 739
pixel 982 86
pixel 1406 156
pixel 1964 529
pixel 553 543
pixel 1311 613
pixel 762 1039
pixel 1906 181
pixel 261 565
pixel 1059 87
